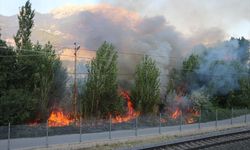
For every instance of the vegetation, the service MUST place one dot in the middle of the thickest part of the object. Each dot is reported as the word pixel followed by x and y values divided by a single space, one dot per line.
pixel 32 77
pixel 100 96
pixel 26 22
pixel 146 91
pixel 224 81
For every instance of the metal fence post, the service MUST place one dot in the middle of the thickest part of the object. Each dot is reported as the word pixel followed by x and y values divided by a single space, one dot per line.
pixel 245 115
pixel 80 129
pixel 160 124
pixel 232 116
pixel 110 126
pixel 216 118
pixel 181 122
pixel 47 134
pixel 136 119
pixel 9 136
pixel 200 120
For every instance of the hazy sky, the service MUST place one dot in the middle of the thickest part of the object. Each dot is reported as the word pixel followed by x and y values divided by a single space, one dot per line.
pixel 191 17
pixel 10 7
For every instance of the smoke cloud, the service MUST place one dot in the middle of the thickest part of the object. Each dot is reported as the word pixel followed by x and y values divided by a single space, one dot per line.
pixel 222 66
pixel 190 16
pixel 133 36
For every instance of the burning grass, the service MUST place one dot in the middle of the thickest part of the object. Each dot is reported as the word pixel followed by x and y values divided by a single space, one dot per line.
pixel 58 118
pixel 131 113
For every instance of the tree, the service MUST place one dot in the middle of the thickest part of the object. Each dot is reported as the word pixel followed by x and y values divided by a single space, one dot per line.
pixel 100 96
pixel 190 64
pixel 180 78
pixel 32 78
pixel 7 67
pixel 13 99
pixel 44 76
pixel 146 91
pixel 219 73
pixel 17 106
pixel 26 22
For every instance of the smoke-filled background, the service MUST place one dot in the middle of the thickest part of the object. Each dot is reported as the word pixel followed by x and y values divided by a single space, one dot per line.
pixel 163 29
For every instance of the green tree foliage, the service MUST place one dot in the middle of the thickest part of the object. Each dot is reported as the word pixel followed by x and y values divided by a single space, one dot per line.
pixel 180 78
pixel 7 66
pixel 240 98
pixel 16 104
pixel 146 91
pixel 190 64
pixel 48 78
pixel 26 22
pixel 30 97
pixel 32 78
pixel 199 87
pixel 100 96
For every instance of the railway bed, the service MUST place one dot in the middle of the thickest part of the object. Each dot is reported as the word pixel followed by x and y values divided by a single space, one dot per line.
pixel 202 142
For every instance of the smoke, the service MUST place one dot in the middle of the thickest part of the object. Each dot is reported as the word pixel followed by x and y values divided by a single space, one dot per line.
pixel 132 35
pixel 190 16
pixel 222 66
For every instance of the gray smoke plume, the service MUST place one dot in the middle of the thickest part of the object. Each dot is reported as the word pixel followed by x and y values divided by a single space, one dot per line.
pixel 192 16
pixel 132 35
pixel 222 67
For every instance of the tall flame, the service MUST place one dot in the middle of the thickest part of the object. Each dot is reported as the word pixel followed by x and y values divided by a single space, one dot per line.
pixel 176 113
pixel 131 113
pixel 58 119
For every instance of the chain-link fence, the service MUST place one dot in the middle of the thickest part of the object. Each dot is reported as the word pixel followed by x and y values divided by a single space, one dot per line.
pixel 43 135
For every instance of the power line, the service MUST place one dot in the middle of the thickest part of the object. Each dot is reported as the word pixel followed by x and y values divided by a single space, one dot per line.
pixel 61 55
pixel 204 74
pixel 8 56
pixel 119 52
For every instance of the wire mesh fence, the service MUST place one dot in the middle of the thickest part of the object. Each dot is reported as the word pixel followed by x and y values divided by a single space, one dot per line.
pixel 43 135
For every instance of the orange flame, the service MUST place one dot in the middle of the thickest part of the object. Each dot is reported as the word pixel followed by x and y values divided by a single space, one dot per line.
pixel 176 113
pixel 192 114
pixel 131 113
pixel 58 119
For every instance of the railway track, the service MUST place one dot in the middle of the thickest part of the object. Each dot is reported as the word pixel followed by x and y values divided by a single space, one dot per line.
pixel 202 142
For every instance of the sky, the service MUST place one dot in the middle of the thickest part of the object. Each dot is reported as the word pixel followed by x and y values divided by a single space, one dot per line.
pixel 11 7
pixel 190 17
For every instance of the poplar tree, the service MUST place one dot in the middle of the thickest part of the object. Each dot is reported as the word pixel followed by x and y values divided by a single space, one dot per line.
pixel 100 96
pixel 26 22
pixel 146 90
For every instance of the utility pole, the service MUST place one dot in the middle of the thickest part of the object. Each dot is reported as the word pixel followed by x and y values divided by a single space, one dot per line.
pixel 77 47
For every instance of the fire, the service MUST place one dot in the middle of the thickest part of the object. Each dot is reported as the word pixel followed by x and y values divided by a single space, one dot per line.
pixel 192 114
pixel 183 106
pixel 190 120
pixel 58 119
pixel 176 113
pixel 189 114
pixel 131 113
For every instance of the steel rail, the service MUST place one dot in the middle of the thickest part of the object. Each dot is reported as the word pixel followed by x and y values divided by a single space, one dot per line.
pixel 201 142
